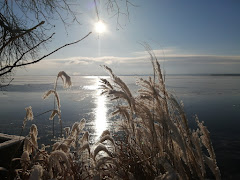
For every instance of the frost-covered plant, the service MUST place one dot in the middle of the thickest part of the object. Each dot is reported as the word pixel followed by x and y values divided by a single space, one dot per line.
pixel 158 142
pixel 28 116
pixel 56 110
pixel 71 157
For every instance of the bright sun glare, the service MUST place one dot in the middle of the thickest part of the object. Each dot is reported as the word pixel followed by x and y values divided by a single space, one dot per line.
pixel 100 27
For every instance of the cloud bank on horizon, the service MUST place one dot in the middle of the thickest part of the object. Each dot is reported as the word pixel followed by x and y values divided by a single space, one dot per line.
pixel 138 63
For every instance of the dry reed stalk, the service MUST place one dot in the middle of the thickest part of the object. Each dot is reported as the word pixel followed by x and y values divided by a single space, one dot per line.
pixel 157 131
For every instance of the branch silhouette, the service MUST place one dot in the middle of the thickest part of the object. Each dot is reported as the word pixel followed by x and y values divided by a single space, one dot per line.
pixel 11 67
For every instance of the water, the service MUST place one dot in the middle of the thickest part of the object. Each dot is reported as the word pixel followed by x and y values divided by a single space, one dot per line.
pixel 215 99
pixel 83 100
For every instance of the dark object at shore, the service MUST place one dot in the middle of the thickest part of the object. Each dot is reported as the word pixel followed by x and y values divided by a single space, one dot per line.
pixel 10 147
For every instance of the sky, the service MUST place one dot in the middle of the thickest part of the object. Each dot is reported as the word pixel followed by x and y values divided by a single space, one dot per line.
pixel 188 37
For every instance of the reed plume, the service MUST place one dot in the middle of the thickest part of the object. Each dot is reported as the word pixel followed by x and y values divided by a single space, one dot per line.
pixel 65 78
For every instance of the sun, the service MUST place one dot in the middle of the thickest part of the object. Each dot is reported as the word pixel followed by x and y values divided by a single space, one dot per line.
pixel 100 27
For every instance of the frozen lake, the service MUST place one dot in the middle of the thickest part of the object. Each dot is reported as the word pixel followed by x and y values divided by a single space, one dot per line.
pixel 215 99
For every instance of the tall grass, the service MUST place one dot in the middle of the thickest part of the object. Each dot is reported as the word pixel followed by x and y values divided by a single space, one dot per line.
pixel 153 140
pixel 159 143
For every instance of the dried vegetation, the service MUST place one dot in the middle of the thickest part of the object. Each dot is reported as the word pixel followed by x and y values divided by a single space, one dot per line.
pixel 154 140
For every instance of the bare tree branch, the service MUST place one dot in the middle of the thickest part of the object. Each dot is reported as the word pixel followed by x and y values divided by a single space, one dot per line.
pixel 24 64
pixel 35 61
pixel 20 58
pixel 20 35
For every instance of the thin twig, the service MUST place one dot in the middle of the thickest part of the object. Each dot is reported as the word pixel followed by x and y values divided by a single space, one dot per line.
pixel 2 86
pixel 96 9
pixel 33 62
pixel 44 113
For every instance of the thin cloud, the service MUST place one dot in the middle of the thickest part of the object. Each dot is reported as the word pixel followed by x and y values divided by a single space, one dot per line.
pixel 167 57
pixel 138 63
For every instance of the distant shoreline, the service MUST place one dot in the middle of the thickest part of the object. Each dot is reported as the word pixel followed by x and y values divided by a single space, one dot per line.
pixel 142 75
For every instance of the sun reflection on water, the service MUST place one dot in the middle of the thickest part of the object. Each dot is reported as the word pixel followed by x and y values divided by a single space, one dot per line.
pixel 100 115
pixel 100 111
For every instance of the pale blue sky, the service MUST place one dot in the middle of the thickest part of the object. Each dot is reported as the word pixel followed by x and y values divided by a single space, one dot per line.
pixel 188 36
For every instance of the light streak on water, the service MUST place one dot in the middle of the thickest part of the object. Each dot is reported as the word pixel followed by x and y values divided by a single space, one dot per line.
pixel 100 115
pixel 100 112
